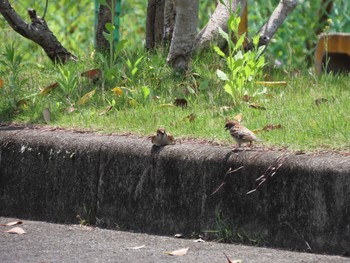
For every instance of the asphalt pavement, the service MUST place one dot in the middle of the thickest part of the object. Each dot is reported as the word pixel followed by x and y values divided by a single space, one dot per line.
pixel 46 242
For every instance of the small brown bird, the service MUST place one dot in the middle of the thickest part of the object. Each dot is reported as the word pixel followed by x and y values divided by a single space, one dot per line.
pixel 240 133
pixel 162 138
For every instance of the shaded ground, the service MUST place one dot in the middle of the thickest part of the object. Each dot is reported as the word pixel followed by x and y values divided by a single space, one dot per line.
pixel 45 242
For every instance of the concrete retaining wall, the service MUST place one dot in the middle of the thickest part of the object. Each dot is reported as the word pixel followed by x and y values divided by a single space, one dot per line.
pixel 125 183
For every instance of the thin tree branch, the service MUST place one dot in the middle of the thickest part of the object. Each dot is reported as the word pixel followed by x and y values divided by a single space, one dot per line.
pixel 37 31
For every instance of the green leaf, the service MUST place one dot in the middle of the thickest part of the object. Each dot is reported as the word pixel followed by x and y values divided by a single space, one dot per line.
pixel 204 85
pixel 219 52
pixel 104 2
pixel 229 89
pixel 256 40
pixel 134 71
pixel 138 61
pixel 107 36
pixel 109 27
pixel 239 55
pixel 221 75
pixel 128 63
pixel 146 92
pixel 239 43
pixel 223 34
pixel 120 45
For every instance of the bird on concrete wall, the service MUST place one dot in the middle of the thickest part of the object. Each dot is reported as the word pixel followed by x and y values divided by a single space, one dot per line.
pixel 240 133
pixel 162 138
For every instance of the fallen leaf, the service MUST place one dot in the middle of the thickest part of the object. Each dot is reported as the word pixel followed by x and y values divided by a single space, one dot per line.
pixel 12 223
pixel 270 127
pixel 272 83
pixel 22 103
pixel 93 74
pixel 180 103
pixel 179 252
pixel 256 106
pixel 238 117
pixel 16 230
pixel 48 88
pixel 168 105
pixel 199 240
pixel 135 248
pixel 117 91
pixel 224 108
pixel 1 83
pixel 69 109
pixel 86 97
pixel 107 109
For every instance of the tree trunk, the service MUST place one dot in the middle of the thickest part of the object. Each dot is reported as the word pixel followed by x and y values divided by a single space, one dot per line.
pixel 184 34
pixel 154 23
pixel 37 31
pixel 104 16
pixel 219 18
pixel 169 20
pixel 283 9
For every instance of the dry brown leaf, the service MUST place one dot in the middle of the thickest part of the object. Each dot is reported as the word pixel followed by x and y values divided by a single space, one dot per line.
pixel 86 97
pixel 107 109
pixel 272 83
pixel 238 117
pixel 179 252
pixel 270 127
pixel 168 105
pixel 69 109
pixel 93 74
pixel 49 88
pixel 138 247
pixel 16 230
pixel 1 83
pixel 12 223
pixel 22 103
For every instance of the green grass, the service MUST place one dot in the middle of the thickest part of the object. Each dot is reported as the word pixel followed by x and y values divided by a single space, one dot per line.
pixel 305 125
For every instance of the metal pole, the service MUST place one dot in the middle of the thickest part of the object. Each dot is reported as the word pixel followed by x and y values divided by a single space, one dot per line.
pixel 117 12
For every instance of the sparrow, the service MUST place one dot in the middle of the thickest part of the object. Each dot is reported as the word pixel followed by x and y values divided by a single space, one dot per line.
pixel 162 138
pixel 240 133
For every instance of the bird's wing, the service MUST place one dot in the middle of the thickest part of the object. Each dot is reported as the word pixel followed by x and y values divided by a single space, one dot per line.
pixel 153 138
pixel 244 134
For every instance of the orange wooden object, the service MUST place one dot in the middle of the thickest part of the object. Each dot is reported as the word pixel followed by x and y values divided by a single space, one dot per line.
pixel 333 53
pixel 243 25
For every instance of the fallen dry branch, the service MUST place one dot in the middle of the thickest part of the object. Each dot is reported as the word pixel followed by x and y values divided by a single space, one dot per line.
pixel 270 171
pixel 229 171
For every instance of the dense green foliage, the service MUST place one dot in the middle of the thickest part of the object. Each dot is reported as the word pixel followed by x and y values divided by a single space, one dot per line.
pixel 137 90
pixel 73 24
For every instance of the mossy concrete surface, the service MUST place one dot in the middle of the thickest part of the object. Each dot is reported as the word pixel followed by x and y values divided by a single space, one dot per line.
pixel 125 183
